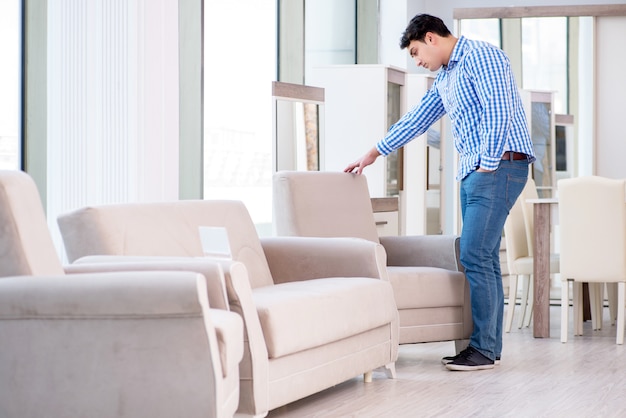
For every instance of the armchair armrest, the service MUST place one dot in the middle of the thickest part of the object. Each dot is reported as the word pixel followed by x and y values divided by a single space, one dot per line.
pixel 305 258
pixel 423 250
pixel 130 294
pixel 69 334
pixel 254 368
pixel 210 269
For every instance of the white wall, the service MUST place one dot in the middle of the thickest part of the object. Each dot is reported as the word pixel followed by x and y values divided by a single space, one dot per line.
pixel 610 135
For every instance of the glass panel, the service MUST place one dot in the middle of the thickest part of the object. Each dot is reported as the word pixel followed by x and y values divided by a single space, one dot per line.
pixel 239 67
pixel 10 84
pixel 310 151
pixel 487 30
pixel 297 135
pixel 540 134
pixel 394 160
pixel 561 148
pixel 433 179
pixel 544 52
pixel 330 38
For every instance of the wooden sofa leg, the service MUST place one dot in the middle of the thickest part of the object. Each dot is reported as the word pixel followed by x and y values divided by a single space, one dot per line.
pixel 367 377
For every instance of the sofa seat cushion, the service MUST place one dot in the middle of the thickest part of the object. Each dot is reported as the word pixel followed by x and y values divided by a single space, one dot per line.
pixel 229 332
pixel 441 287
pixel 296 316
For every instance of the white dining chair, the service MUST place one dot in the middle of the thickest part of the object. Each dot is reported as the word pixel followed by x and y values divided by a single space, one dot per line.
pixel 592 216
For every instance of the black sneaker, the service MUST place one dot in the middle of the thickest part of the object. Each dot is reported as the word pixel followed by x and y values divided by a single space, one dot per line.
pixel 470 359
pixel 449 359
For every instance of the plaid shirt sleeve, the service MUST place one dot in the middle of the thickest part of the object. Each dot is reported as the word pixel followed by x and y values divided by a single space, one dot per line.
pixel 414 123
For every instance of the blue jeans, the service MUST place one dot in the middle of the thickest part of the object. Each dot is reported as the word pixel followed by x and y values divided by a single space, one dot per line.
pixel 486 199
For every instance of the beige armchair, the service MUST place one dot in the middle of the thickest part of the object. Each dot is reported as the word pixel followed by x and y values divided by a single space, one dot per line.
pixel 123 344
pixel 317 311
pixel 430 288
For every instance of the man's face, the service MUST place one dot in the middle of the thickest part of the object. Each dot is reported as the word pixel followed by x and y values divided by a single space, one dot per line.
pixel 425 53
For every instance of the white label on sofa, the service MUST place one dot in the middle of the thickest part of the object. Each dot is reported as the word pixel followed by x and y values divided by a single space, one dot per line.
pixel 214 241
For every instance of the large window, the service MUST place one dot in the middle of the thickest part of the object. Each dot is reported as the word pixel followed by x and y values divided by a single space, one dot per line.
pixel 10 18
pixel 239 67
pixel 487 30
pixel 330 35
pixel 544 53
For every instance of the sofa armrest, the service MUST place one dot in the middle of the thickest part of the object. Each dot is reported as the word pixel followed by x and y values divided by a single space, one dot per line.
pixel 254 368
pixel 115 294
pixel 69 334
pixel 304 258
pixel 210 269
pixel 423 250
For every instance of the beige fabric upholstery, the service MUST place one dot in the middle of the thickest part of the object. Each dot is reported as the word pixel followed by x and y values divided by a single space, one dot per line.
pixel 316 311
pixel 170 229
pixel 26 246
pixel 592 219
pixel 229 335
pixel 103 341
pixel 430 289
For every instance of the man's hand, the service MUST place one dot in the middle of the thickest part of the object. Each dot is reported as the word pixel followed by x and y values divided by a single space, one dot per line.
pixel 363 162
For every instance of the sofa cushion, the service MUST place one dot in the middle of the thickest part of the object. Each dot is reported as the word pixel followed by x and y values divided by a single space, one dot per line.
pixel 450 285
pixel 296 316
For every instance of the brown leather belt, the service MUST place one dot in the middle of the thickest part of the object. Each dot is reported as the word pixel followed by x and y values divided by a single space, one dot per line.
pixel 511 155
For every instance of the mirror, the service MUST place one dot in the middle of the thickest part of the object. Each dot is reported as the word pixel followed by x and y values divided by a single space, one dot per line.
pixel 297 127
pixel 395 160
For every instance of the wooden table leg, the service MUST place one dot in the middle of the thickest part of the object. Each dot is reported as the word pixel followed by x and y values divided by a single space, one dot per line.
pixel 541 271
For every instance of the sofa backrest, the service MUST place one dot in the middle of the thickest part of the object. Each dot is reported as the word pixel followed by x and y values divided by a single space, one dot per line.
pixel 164 229
pixel 323 204
pixel 26 247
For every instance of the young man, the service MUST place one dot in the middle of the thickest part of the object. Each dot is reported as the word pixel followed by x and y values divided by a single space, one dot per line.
pixel 476 88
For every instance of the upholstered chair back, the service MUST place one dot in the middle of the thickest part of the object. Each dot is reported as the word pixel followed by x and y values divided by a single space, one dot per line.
pixel 592 219
pixel 26 247
pixel 328 204
pixel 129 229
pixel 529 192
pixel 516 238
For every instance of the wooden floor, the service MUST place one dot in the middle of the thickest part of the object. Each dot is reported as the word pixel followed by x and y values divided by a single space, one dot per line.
pixel 585 377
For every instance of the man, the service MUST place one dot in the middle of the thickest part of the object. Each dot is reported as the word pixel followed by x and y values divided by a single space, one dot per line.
pixel 476 88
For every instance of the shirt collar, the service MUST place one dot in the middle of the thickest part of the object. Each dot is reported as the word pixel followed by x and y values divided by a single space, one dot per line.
pixel 457 53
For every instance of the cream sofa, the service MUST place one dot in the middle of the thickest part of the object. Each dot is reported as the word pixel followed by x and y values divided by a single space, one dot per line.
pixel 93 344
pixel 317 311
pixel 431 291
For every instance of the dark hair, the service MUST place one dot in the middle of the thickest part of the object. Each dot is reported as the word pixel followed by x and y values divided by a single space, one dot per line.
pixel 419 26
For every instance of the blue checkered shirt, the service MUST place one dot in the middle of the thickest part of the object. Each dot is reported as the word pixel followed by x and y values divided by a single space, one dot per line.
pixel 478 92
